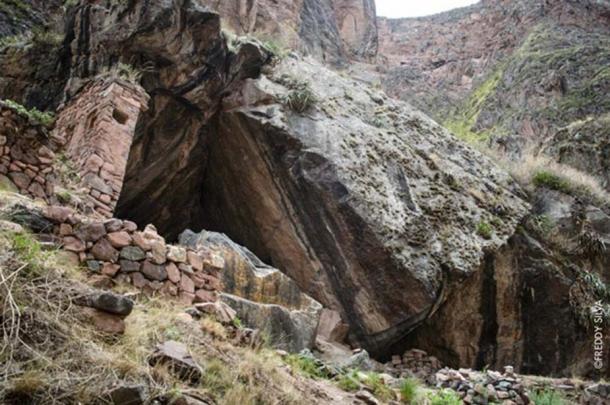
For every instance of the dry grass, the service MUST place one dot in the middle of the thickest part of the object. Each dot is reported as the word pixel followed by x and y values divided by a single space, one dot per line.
pixel 51 355
pixel 534 168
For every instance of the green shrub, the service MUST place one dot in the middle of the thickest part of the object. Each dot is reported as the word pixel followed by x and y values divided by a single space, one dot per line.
pixel 237 323
pixel 550 180
pixel 542 223
pixel 444 397
pixel 275 49
pixel 484 230
pixel 28 252
pixel 307 366
pixel 547 397
pixel 409 391
pixel 349 382
pixel 378 386
pixel 43 118
pixel 301 97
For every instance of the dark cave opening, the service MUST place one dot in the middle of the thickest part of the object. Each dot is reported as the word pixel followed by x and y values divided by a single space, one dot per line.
pixel 179 176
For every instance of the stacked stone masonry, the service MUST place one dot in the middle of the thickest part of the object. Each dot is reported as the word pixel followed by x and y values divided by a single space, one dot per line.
pixel 97 127
pixel 116 250
pixel 26 154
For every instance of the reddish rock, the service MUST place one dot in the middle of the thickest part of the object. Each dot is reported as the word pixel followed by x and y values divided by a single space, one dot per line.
pixel 104 322
pixel 37 190
pixel 105 198
pixel 205 296
pixel 138 280
pixel 186 284
pixel 21 180
pixel 186 298
pixel 210 282
pixel 173 273
pixel 73 244
pixel 58 214
pixel 195 260
pixel 141 241
pixel 104 251
pixel 170 288
pixel 91 232
pixel 198 280
pixel 119 239
pixel 110 269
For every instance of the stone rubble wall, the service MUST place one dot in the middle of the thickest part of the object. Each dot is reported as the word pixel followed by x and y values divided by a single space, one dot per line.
pixel 116 251
pixel 98 126
pixel 26 154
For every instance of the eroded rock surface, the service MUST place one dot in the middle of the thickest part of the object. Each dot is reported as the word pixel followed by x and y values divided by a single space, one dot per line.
pixel 330 30
pixel 367 204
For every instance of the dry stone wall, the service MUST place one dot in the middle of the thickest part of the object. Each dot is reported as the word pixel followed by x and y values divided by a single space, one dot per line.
pixel 115 250
pixel 97 127
pixel 27 153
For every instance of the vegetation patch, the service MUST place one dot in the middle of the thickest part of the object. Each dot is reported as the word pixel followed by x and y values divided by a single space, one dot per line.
pixel 34 115
pixel 548 397
pixel 444 397
pixel 410 391
pixel 463 122
pixel 300 98
pixel 484 230
pixel 545 178
pixel 307 365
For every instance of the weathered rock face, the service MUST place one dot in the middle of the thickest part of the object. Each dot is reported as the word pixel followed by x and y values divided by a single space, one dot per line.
pixel 531 304
pixel 187 67
pixel 245 275
pixel 263 297
pixel 331 30
pixel 510 72
pixel 371 211
pixel 19 16
pixel 436 61
pixel 287 329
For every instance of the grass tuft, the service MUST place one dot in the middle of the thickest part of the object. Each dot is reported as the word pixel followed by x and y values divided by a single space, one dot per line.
pixel 484 230
pixel 409 391
pixel 547 397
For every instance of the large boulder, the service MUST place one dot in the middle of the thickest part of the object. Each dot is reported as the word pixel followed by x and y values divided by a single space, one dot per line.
pixel 371 207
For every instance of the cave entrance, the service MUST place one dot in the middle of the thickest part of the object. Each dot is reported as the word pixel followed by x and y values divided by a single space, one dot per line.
pixel 181 175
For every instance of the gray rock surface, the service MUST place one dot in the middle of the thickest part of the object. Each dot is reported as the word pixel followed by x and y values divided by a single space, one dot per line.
pixel 364 198
pixel 291 330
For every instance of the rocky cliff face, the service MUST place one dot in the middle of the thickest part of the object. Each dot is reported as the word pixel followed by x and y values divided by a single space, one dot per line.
pixel 331 30
pixel 368 205
pixel 510 72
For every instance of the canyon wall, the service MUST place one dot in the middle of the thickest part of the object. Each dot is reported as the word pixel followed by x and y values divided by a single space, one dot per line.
pixel 333 31
pixel 510 74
